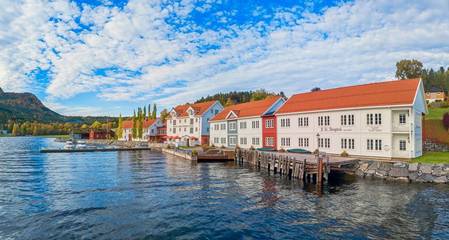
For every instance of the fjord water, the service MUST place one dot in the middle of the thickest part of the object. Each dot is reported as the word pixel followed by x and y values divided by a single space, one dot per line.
pixel 148 195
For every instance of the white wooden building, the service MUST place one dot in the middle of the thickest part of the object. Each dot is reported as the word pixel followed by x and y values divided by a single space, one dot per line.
pixel 378 120
pixel 149 130
pixel 243 124
pixel 188 125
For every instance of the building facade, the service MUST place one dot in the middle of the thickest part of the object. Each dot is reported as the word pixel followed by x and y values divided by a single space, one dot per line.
pixel 379 120
pixel 149 130
pixel 244 125
pixel 435 95
pixel 188 125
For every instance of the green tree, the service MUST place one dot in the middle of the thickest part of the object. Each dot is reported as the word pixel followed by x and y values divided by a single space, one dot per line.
pixel 164 115
pixel 120 127
pixel 140 124
pixel 134 128
pixel 154 115
pixel 15 130
pixel 35 130
pixel 408 69
pixel 96 125
pixel 145 111
pixel 150 115
pixel 229 102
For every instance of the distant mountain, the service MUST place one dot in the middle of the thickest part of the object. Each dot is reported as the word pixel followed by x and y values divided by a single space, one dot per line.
pixel 23 107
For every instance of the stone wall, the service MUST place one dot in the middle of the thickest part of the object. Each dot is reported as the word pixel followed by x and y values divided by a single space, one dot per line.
pixel 430 146
pixel 410 172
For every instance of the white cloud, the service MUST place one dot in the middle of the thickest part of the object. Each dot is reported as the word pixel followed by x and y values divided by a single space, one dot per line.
pixel 349 43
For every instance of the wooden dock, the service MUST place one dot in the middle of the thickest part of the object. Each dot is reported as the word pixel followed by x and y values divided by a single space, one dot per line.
pixel 305 167
pixel 94 150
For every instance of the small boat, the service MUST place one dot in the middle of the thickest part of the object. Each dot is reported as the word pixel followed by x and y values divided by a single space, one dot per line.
pixel 69 145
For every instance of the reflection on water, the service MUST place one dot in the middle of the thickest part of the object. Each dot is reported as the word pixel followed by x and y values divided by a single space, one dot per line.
pixel 134 195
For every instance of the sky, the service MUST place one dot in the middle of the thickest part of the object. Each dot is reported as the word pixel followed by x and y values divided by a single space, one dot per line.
pixel 106 57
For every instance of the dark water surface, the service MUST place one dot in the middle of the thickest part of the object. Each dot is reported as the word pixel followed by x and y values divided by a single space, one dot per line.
pixel 147 195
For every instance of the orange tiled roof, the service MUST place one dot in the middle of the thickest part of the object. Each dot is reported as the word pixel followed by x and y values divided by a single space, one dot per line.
pixel 397 92
pixel 199 108
pixel 146 123
pixel 249 109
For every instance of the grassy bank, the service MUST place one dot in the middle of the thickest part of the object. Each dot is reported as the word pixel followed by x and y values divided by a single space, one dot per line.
pixel 433 157
pixel 436 113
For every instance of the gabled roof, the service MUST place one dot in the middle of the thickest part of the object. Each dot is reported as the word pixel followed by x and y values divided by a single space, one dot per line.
pixel 146 123
pixel 388 93
pixel 249 109
pixel 199 108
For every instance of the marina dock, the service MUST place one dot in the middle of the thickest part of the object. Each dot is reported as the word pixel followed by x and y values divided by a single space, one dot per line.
pixel 305 167
pixel 94 150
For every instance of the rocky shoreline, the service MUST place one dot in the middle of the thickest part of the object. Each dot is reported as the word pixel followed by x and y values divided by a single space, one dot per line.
pixel 410 172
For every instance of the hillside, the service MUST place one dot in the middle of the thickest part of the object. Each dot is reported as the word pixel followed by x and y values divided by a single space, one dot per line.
pixel 22 107
pixel 235 97
pixel 25 107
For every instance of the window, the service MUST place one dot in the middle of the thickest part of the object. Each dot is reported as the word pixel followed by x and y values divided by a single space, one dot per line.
pixel 255 124
pixel 374 119
pixel 242 125
pixel 255 141
pixel 402 118
pixel 374 144
pixel 347 120
pixel 303 142
pixel 217 127
pixel 285 122
pixel 216 140
pixel 232 126
pixel 174 122
pixel 269 141
pixel 174 130
pixel 303 122
pixel 223 140
pixel 402 145
pixel 223 126
pixel 269 123
pixel 191 130
pixel 191 121
pixel 285 142
pixel 243 141
pixel 324 143
pixel 324 121
pixel 232 140
pixel 347 143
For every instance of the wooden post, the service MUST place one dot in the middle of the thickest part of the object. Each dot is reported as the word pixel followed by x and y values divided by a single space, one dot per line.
pixel 320 171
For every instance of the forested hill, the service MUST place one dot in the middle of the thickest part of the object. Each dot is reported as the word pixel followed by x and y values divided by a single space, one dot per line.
pixel 25 107
pixel 230 98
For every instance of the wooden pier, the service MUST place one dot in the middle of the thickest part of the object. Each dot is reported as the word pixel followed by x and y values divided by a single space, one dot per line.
pixel 94 150
pixel 305 167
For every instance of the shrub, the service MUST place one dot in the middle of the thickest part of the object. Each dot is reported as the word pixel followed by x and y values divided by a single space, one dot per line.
pixel 446 120
pixel 194 153
pixel 205 147
pixel 316 151
pixel 344 154
pixel 281 150
pixel 252 148
pixel 222 147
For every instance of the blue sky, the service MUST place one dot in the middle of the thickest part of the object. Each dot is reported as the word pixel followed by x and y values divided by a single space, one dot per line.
pixel 103 57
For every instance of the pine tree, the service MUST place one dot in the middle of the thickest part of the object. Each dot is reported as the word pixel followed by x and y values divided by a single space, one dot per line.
pixel 120 127
pixel 145 111
pixel 140 125
pixel 134 129
pixel 150 115
pixel 154 111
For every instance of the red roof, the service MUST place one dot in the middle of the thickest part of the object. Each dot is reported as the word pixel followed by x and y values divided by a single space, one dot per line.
pixel 146 123
pixel 249 109
pixel 398 92
pixel 199 108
